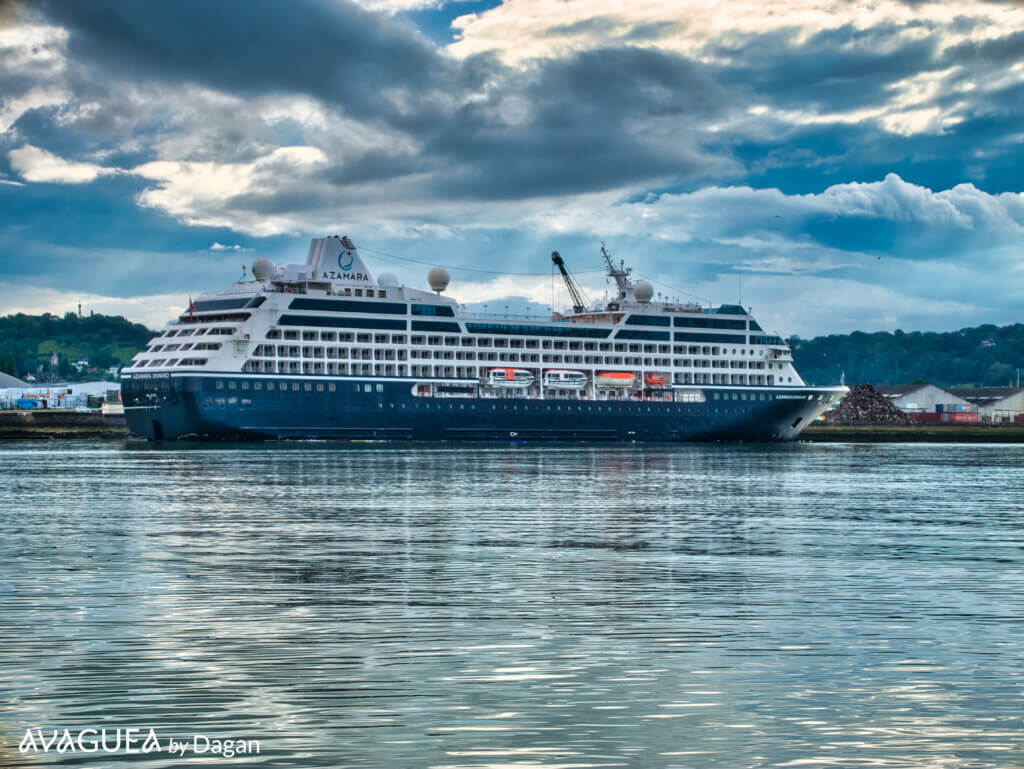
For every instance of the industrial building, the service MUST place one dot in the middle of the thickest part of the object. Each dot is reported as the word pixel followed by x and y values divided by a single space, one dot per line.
pixel 74 395
pixel 8 382
pixel 994 404
pixel 928 403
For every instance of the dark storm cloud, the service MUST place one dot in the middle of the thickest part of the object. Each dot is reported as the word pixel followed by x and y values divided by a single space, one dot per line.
pixel 591 122
pixel 335 51
pixel 377 164
pixel 997 51
pixel 577 122
pixel 631 81
pixel 835 70
pixel 94 239
pixel 810 157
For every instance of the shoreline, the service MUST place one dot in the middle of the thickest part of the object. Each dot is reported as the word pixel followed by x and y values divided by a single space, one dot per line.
pixel 953 433
pixel 65 424
pixel 61 424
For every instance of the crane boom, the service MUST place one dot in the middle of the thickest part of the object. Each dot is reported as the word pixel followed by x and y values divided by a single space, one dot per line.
pixel 579 299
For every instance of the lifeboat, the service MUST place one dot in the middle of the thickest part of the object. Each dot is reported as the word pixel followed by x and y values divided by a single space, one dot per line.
pixel 509 377
pixel 656 380
pixel 560 379
pixel 614 379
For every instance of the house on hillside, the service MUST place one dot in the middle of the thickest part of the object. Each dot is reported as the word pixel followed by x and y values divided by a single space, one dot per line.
pixel 995 404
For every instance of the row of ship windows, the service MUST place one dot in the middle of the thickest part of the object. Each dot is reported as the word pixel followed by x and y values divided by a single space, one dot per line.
pixel 501 344
pixel 198 331
pixel 294 386
pixel 698 320
pixel 468 372
pixel 453 405
pixel 343 353
pixel 167 362
pixel 463 341
pixel 515 340
pixel 358 387
pixel 399 308
pixel 184 347
pixel 535 334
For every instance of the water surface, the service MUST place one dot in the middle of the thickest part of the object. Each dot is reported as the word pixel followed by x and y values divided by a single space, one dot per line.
pixel 384 605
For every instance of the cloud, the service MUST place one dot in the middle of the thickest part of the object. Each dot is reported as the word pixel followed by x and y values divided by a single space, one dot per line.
pixel 768 218
pixel 33 69
pixel 910 68
pixel 215 246
pixel 397 6
pixel 198 193
pixel 798 140
pixel 812 306
pixel 520 30
pixel 335 51
pixel 38 165
pixel 152 311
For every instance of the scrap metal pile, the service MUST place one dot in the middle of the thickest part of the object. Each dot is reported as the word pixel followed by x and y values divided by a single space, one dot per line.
pixel 864 405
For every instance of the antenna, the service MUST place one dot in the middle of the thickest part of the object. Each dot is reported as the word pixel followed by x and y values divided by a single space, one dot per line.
pixel 621 274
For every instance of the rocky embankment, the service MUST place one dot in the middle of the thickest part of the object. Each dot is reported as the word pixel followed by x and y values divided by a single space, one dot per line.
pixel 864 405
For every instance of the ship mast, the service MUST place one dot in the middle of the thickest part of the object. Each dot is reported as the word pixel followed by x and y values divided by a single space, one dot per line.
pixel 620 273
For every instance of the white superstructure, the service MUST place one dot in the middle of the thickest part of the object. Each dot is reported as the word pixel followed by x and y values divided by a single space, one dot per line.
pixel 329 317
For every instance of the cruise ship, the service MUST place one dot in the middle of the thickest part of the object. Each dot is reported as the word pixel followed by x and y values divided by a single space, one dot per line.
pixel 323 350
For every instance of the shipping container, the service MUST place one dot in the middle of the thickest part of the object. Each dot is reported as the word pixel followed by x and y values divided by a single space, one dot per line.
pixel 960 418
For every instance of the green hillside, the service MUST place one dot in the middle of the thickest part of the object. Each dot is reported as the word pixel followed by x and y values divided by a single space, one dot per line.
pixel 985 355
pixel 27 343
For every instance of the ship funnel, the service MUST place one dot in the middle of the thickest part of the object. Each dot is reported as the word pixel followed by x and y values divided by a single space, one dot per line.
pixel 337 260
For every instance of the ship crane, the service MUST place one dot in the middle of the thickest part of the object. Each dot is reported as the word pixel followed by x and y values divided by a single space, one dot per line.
pixel 579 299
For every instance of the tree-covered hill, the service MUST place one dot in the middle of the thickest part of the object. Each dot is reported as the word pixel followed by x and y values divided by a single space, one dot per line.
pixel 28 343
pixel 985 355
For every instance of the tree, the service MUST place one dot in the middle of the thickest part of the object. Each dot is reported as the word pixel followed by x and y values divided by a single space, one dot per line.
pixel 998 375
pixel 101 358
pixel 8 365
pixel 64 368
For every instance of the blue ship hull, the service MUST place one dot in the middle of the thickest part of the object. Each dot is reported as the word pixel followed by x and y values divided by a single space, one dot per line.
pixel 241 406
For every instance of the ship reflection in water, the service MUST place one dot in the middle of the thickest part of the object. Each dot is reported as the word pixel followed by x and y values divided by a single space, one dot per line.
pixel 518 606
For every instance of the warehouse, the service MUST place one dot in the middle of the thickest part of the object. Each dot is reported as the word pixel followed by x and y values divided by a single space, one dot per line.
pixel 925 399
pixel 994 404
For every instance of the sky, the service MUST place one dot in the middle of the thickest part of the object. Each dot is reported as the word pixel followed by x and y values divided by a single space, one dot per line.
pixel 832 165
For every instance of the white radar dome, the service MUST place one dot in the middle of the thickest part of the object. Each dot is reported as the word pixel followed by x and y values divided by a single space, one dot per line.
pixel 387 279
pixel 438 279
pixel 262 269
pixel 643 291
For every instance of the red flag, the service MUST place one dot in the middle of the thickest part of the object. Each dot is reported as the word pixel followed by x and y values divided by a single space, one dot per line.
pixel 190 307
